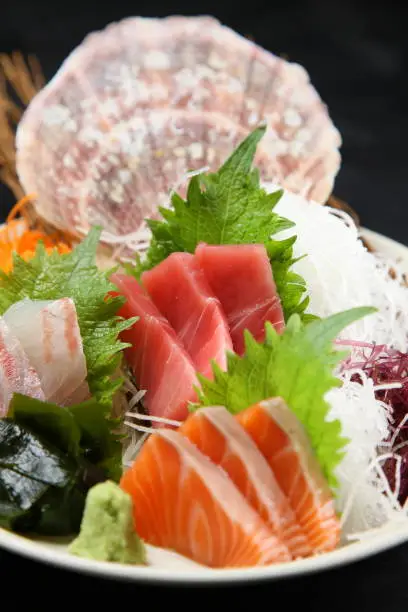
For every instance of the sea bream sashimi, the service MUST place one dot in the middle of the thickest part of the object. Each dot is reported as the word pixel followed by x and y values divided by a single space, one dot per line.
pixel 49 333
pixel 241 277
pixel 282 440
pixel 159 362
pixel 16 373
pixel 219 436
pixel 184 502
pixel 181 292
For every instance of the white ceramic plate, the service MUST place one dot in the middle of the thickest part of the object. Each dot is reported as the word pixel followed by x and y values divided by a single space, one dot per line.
pixel 170 568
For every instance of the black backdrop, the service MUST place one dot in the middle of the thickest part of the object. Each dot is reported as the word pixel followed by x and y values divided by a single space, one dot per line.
pixel 356 54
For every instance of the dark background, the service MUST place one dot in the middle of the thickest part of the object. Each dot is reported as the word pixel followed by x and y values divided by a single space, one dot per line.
pixel 356 55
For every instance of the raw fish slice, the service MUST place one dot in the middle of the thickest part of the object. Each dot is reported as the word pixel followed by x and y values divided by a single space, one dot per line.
pixel 199 64
pixel 218 435
pixel 241 277
pixel 180 291
pixel 50 336
pixel 181 62
pixel 283 442
pixel 137 66
pixel 138 161
pixel 79 395
pixel 139 63
pixel 16 373
pixel 184 502
pixel 144 159
pixel 56 142
pixel 159 362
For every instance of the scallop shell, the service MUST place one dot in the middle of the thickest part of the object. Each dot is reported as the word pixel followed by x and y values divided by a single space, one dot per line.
pixel 141 103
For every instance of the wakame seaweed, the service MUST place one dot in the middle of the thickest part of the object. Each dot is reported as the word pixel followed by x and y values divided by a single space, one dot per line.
pixel 50 456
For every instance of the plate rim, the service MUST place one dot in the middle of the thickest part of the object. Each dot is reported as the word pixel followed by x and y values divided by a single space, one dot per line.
pixel 382 540
pixel 346 555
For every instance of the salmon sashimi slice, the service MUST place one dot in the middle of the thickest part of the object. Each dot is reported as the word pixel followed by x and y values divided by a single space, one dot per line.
pixel 16 373
pixel 219 436
pixel 242 279
pixel 160 363
pixel 186 503
pixel 180 291
pixel 49 333
pixel 282 440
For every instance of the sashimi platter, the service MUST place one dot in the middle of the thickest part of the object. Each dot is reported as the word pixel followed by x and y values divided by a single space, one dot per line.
pixel 203 355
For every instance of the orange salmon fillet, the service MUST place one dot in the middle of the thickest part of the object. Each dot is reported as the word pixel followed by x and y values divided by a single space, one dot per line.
pixel 281 439
pixel 186 503
pixel 219 436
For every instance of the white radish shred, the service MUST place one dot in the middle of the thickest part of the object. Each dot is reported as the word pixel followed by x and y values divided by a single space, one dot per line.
pixel 135 445
pixel 156 419
pixel 340 272
pixel 365 423
pixel 365 498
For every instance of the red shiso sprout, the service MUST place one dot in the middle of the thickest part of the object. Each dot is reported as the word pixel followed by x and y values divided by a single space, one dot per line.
pixel 388 369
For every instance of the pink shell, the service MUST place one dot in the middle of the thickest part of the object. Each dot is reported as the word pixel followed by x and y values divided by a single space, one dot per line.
pixel 139 104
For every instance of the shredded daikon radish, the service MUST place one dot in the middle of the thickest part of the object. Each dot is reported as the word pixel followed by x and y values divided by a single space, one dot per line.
pixel 186 177
pixel 340 272
pixel 154 419
pixel 363 497
pixel 135 445
pixel 138 427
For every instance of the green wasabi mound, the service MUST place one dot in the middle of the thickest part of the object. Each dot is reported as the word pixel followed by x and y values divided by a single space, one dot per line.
pixel 107 531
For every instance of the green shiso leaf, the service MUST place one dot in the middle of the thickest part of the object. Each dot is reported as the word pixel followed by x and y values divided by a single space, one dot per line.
pixel 76 275
pixel 229 207
pixel 296 365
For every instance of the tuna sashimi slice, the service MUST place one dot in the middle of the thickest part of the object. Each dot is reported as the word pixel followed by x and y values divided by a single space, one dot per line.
pixel 242 279
pixel 50 336
pixel 180 291
pixel 282 440
pixel 16 373
pixel 159 362
pixel 219 436
pixel 184 502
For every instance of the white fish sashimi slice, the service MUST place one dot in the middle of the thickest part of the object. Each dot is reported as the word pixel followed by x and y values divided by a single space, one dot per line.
pixel 143 160
pixel 16 373
pixel 79 395
pixel 50 336
pixel 194 63
pixel 141 65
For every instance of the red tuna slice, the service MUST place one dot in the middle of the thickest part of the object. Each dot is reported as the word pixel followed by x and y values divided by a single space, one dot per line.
pixel 180 291
pixel 242 279
pixel 159 362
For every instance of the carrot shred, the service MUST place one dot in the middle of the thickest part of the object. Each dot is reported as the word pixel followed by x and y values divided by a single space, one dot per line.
pixel 18 235
pixel 19 207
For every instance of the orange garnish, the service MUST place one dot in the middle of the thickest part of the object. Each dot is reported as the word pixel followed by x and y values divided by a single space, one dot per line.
pixel 19 207
pixel 19 236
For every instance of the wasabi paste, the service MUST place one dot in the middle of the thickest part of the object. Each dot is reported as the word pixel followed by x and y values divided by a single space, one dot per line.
pixel 107 531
